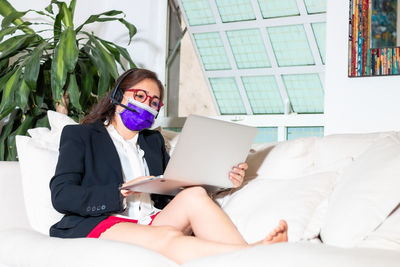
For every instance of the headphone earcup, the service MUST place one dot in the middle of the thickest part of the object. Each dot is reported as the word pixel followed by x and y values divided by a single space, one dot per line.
pixel 118 95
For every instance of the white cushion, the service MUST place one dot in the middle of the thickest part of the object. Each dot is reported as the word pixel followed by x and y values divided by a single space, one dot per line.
pixel 50 139
pixel 386 236
pixel 37 167
pixel 288 159
pixel 367 192
pixel 313 229
pixel 332 149
pixel 257 208
pixel 38 157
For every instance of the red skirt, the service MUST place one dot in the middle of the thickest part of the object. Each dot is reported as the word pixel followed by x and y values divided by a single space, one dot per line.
pixel 111 221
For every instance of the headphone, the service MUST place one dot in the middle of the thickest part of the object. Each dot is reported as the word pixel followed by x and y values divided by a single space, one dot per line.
pixel 117 94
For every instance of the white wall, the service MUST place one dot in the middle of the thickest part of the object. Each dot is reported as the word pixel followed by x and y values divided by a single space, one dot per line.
pixel 148 47
pixel 354 105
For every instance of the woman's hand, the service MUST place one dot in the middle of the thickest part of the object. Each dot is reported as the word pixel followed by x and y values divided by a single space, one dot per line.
pixel 237 174
pixel 128 192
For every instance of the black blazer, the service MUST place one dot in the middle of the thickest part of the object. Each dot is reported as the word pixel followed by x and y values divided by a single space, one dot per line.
pixel 88 175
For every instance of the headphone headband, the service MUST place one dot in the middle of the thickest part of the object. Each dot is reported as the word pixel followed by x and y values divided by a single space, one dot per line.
pixel 117 94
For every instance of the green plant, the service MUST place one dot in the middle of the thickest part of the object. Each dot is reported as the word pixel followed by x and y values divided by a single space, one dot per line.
pixel 67 71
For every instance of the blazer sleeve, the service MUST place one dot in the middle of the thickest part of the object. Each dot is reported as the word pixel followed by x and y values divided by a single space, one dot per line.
pixel 68 195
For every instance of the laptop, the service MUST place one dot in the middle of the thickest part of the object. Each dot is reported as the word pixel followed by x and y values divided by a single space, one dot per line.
pixel 205 153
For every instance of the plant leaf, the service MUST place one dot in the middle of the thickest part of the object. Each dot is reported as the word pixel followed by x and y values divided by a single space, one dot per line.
pixel 87 81
pixel 132 29
pixel 102 72
pixel 11 17
pixel 73 91
pixel 23 94
pixel 4 65
pixel 12 84
pixel 71 49
pixel 33 66
pixel 106 57
pixel 21 130
pixel 126 55
pixel 7 111
pixel 71 8
pixel 43 122
pixel 57 27
pixel 94 18
pixel 49 8
pixel 3 135
pixel 4 79
pixel 11 46
pixel 67 15
pixel 58 72
pixel 7 31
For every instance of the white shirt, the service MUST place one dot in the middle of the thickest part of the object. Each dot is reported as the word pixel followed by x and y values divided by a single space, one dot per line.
pixel 139 205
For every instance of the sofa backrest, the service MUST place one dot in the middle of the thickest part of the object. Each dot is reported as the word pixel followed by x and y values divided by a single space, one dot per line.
pixel 12 207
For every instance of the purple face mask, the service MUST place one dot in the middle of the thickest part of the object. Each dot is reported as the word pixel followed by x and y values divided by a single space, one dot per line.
pixel 141 119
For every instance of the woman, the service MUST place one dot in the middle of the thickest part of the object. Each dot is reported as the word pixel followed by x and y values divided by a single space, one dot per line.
pixel 112 148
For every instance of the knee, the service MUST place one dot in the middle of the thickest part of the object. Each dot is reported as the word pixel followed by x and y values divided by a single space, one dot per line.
pixel 195 192
pixel 167 234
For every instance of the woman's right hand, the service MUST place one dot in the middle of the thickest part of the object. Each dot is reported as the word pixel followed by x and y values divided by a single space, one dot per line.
pixel 128 192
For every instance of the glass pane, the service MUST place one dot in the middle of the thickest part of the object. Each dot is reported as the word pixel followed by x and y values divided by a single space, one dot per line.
pixel 212 51
pixel 263 94
pixel 298 132
pixel 266 135
pixel 320 36
pixel 227 96
pixel 198 12
pixel 173 129
pixel 315 6
pixel 278 8
pixel 235 10
pixel 305 92
pixel 248 49
pixel 290 45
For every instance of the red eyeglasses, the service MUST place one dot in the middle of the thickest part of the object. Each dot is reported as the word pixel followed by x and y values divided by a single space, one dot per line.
pixel 141 96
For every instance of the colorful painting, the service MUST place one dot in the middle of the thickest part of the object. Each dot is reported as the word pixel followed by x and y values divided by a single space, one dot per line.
pixel 383 23
pixel 364 60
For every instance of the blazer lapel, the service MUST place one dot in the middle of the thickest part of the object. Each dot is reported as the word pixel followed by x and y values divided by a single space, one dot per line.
pixel 110 151
pixel 151 156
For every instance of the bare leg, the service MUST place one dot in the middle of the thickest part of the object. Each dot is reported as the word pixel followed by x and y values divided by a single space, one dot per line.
pixel 193 209
pixel 172 243
pixel 167 241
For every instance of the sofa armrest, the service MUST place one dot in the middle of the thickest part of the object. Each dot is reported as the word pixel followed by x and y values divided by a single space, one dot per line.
pixel 12 204
pixel 301 254
pixel 22 247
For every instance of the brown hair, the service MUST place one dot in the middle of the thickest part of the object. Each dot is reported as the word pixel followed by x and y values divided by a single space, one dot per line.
pixel 104 110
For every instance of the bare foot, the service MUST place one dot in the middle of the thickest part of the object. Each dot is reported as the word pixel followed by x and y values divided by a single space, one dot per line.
pixel 279 234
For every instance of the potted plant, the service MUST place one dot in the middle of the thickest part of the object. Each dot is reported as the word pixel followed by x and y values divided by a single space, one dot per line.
pixel 67 71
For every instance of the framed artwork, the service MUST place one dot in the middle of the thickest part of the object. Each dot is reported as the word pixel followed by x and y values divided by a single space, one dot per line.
pixel 374 44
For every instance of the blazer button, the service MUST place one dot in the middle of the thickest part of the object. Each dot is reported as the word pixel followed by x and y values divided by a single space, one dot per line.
pixel 88 209
pixel 103 207
pixel 93 208
pixel 98 208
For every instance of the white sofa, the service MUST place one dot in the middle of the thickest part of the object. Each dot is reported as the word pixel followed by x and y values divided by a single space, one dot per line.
pixel 343 189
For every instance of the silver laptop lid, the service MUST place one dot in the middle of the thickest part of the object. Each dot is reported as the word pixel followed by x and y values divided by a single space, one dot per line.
pixel 207 149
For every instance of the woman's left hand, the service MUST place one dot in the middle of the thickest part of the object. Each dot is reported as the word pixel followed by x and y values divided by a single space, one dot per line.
pixel 237 174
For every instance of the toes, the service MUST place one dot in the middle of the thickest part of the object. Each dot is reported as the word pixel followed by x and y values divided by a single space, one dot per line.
pixel 269 238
